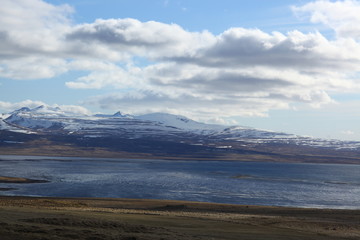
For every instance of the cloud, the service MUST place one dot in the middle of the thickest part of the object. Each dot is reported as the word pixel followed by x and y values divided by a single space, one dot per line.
pixel 151 39
pixel 32 26
pixel 194 106
pixel 32 68
pixel 8 106
pixel 243 47
pixel 237 64
pixel 347 132
pixel 238 72
pixel 31 38
pixel 104 74
pixel 341 16
pixel 74 109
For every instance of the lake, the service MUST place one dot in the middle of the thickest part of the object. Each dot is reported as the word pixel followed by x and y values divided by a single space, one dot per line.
pixel 248 183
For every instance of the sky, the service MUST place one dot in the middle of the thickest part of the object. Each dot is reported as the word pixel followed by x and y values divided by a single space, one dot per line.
pixel 290 66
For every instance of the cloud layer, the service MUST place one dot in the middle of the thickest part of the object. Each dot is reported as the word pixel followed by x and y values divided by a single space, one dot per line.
pixel 153 66
pixel 73 109
pixel 341 16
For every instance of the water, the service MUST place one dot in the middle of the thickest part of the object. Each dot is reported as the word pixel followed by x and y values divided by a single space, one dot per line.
pixel 249 183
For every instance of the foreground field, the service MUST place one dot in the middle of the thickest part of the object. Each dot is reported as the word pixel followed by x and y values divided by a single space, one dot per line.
pixel 129 219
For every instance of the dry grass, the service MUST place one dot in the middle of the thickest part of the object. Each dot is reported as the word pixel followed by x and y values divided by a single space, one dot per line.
pixel 61 218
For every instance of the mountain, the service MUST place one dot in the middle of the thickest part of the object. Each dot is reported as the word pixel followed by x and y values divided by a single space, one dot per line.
pixel 181 122
pixel 162 134
pixel 115 115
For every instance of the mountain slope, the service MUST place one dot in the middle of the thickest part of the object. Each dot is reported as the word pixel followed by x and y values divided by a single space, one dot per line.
pixel 166 134
pixel 56 121
pixel 181 122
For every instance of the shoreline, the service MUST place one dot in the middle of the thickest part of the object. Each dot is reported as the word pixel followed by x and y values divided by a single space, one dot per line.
pixel 243 157
pixel 44 218
pixel 20 180
pixel 69 158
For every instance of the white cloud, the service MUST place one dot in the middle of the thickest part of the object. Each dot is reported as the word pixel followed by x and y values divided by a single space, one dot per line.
pixel 191 105
pixel 151 39
pixel 222 121
pixel 104 74
pixel 32 68
pixel 239 47
pixel 7 107
pixel 347 132
pixel 342 16
pixel 32 26
pixel 74 109
pixel 238 72
pixel 31 36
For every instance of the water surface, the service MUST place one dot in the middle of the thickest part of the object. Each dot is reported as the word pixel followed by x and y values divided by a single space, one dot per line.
pixel 250 183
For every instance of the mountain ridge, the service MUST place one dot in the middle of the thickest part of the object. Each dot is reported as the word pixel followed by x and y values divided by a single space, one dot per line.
pixel 158 133
pixel 44 118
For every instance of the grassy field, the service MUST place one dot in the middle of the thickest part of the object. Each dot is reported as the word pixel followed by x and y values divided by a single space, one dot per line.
pixel 132 219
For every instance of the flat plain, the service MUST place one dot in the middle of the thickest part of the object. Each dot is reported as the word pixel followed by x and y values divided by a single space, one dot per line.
pixel 30 218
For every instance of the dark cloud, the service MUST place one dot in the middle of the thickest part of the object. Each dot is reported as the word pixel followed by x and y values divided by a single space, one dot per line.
pixel 195 106
pixel 106 33
pixel 226 83
pixel 132 35
pixel 251 48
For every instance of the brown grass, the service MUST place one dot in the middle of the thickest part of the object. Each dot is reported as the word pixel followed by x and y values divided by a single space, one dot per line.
pixel 62 218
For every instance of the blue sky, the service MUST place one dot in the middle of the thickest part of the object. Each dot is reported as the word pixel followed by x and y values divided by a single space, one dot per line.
pixel 288 66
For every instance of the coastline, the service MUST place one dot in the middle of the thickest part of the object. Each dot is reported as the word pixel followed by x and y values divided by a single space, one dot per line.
pixel 109 218
pixel 20 180
pixel 55 149
pixel 32 218
pixel 160 158
pixel 248 183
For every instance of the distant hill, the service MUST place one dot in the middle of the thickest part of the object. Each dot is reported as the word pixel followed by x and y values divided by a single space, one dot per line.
pixel 159 135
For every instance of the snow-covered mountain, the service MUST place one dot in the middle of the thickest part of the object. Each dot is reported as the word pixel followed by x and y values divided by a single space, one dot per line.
pixel 9 127
pixel 44 119
pixel 115 115
pixel 181 122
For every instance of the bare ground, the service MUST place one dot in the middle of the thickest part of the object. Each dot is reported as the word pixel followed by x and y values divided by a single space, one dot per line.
pixel 131 219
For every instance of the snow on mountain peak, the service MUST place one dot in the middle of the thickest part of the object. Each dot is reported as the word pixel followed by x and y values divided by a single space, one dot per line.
pixel 47 109
pixel 119 114
pixel 23 109
pixel 165 118
pixel 178 121
pixel 38 108
pixel 115 115
pixel 50 111
pixel 78 120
